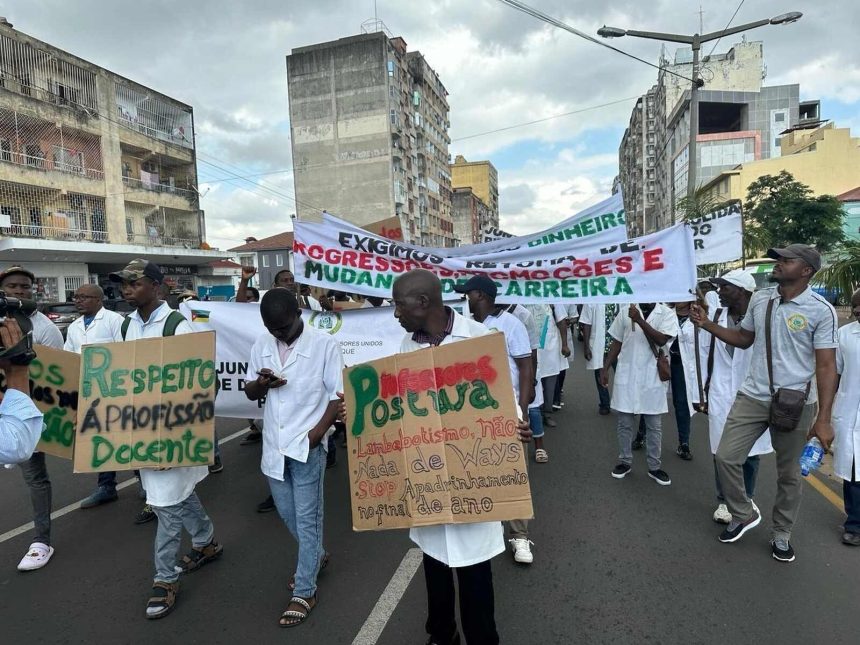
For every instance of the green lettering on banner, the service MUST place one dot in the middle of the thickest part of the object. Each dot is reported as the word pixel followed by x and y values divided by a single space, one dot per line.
pixel 96 361
pixel 365 381
pixel 622 286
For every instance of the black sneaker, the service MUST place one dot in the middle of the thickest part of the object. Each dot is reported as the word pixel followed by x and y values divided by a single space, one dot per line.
pixel 638 443
pixel 660 477
pixel 735 530
pixel 781 550
pixel 266 505
pixel 253 437
pixel 621 470
pixel 146 515
pixel 217 467
pixel 683 452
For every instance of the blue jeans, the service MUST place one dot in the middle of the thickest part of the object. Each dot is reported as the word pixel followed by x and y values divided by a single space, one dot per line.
pixel 602 392
pixel 750 469
pixel 679 399
pixel 299 500
pixel 536 423
pixel 188 514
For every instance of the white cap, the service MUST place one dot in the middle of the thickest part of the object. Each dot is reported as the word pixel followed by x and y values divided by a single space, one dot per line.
pixel 739 278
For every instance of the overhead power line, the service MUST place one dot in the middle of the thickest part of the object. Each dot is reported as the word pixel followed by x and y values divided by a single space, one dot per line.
pixel 535 13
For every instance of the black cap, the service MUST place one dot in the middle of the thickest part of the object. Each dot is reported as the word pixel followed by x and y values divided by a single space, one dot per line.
pixel 797 251
pixel 138 269
pixel 478 283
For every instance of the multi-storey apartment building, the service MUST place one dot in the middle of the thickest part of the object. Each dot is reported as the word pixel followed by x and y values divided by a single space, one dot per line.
pixel 369 124
pixel 95 170
pixel 482 178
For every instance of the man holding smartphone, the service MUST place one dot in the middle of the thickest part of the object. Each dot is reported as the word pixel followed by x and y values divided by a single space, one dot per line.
pixel 299 372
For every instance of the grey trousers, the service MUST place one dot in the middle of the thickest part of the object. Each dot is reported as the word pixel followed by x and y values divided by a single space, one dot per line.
pixel 747 421
pixel 36 477
pixel 171 519
pixel 653 438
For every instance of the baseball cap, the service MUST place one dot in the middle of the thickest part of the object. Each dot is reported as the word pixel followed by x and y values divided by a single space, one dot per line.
pixel 737 277
pixel 13 270
pixel 800 251
pixel 138 269
pixel 478 283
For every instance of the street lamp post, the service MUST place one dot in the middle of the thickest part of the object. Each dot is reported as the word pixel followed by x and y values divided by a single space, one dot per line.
pixel 695 41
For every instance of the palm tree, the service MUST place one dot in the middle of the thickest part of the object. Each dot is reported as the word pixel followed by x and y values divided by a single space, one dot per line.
pixel 843 274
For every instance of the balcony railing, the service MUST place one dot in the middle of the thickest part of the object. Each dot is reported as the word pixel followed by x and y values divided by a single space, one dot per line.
pixel 178 136
pixel 54 233
pixel 155 238
pixel 40 162
pixel 158 187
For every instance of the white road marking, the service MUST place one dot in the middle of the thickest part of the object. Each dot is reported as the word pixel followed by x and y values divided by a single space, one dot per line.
pixel 75 506
pixel 387 603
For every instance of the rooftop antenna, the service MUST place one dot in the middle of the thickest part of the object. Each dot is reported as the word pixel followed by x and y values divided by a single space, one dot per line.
pixel 701 19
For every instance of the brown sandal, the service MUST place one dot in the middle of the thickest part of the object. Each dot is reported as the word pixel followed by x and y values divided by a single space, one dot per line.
pixel 196 558
pixel 298 617
pixel 163 599
pixel 323 564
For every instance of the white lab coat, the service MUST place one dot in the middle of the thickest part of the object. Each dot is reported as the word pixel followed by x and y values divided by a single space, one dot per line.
pixel 637 388
pixel 550 360
pixel 687 347
pixel 846 407
pixel 729 374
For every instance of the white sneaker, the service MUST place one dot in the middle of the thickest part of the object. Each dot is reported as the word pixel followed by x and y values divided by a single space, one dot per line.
pixel 37 557
pixel 522 549
pixel 722 515
pixel 755 508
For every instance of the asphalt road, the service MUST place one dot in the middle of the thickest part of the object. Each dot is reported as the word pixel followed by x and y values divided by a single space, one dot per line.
pixel 615 561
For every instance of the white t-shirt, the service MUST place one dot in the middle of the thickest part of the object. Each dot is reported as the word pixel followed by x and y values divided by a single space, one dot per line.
pixel 45 332
pixel 173 486
pixel 516 340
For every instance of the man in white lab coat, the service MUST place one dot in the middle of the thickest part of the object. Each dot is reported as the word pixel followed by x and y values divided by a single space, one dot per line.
pixel 95 325
pixel 637 334
pixel 846 422
pixel 727 371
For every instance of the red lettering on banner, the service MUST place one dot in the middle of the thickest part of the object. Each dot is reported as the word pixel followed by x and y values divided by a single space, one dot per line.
pixel 653 259
pixel 624 264
pixel 432 379
pixel 603 267
pixel 315 252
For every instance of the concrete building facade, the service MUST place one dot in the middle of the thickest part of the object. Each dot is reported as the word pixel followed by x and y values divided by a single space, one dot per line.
pixel 269 256
pixel 825 158
pixel 739 121
pixel 95 170
pixel 369 124
pixel 482 178
pixel 471 216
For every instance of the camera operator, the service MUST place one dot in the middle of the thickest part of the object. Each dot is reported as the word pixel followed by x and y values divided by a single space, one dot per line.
pixel 17 282
pixel 20 421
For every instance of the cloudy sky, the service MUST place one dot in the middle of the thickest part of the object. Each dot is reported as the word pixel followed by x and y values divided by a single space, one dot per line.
pixel 501 68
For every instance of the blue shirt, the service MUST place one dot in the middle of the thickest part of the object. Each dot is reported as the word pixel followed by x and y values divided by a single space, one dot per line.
pixel 20 427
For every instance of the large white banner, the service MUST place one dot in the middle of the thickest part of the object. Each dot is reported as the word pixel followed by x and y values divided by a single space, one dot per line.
pixel 364 335
pixel 659 267
pixel 718 236
pixel 598 225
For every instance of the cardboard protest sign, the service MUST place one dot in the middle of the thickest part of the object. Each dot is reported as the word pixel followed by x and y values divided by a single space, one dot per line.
pixel 390 228
pixel 432 438
pixel 147 404
pixel 54 378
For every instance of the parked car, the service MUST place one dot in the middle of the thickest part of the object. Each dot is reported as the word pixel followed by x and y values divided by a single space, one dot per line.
pixel 119 305
pixel 62 314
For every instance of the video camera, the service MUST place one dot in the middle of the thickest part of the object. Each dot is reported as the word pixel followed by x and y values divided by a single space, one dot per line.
pixel 22 352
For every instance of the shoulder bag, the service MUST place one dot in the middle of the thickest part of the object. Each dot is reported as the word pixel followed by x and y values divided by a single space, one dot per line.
pixel 664 370
pixel 786 405
pixel 702 406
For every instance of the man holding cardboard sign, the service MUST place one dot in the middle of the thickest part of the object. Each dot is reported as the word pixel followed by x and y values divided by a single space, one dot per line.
pixel 169 491
pixel 466 548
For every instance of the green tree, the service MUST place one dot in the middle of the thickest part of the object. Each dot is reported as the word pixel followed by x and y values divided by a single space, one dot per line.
pixel 780 210
pixel 843 274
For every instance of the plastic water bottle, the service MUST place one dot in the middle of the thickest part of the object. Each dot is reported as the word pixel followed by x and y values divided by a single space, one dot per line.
pixel 813 453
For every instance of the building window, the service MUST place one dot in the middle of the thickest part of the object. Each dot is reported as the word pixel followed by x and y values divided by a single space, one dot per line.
pixel 391 68
pixel 779 117
pixel 265 261
pixel 279 260
pixel 776 143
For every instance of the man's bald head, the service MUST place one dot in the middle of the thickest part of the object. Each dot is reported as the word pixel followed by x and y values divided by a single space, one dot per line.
pixel 89 299
pixel 418 283
pixel 91 290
